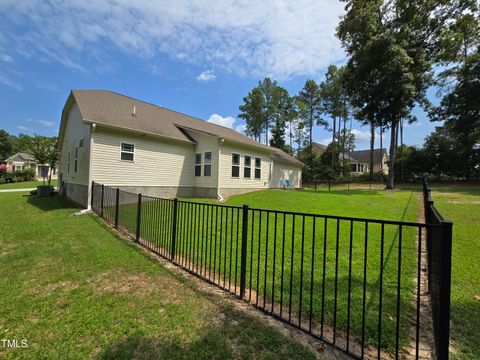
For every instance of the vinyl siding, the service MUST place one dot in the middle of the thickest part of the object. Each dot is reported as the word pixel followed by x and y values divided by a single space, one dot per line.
pixel 226 180
pixel 157 161
pixel 281 172
pixel 206 143
pixel 75 130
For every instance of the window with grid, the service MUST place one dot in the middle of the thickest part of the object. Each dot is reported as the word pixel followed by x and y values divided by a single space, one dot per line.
pixel 76 159
pixel 127 152
pixel 258 168
pixel 236 165
pixel 207 167
pixel 198 164
pixel 247 166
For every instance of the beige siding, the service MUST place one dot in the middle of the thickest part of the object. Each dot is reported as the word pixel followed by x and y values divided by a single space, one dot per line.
pixel 206 143
pixel 157 161
pixel 226 181
pixel 282 172
pixel 75 130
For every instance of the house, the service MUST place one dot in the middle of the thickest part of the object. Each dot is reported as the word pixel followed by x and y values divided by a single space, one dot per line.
pixel 380 159
pixel 140 147
pixel 23 161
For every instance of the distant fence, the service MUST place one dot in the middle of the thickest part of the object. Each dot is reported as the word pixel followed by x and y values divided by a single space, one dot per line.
pixel 353 283
pixel 439 255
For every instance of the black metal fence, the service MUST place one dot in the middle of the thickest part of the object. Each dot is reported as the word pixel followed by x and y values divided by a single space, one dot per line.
pixel 439 255
pixel 353 283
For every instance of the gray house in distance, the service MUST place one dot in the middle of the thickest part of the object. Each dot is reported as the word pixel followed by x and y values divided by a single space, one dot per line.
pixel 140 147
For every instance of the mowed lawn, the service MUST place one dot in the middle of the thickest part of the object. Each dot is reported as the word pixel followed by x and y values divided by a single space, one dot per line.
pixel 461 204
pixel 74 290
pixel 26 184
pixel 300 286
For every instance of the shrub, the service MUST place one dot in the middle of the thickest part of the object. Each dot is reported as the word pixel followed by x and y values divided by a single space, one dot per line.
pixel 29 174
pixel 20 176
pixel 2 180
pixel 13 179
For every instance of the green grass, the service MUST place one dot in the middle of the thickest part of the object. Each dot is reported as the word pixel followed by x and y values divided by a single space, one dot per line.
pixel 25 185
pixel 461 204
pixel 212 248
pixel 74 290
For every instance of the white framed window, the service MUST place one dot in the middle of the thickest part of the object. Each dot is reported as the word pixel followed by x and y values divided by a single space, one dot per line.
pixel 247 166
pixel 76 159
pixel 207 167
pixel 18 167
pixel 235 165
pixel 258 168
pixel 198 164
pixel 68 164
pixel 127 152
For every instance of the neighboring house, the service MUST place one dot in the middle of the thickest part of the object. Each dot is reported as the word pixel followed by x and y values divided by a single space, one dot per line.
pixel 139 147
pixel 380 159
pixel 23 161
pixel 360 160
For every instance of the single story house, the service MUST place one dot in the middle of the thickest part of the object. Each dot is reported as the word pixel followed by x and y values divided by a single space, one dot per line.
pixel 140 147
pixel 23 161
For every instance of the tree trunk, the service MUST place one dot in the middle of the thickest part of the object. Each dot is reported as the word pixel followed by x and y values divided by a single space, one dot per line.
pixel 290 129
pixel 381 145
pixel 401 150
pixel 333 139
pixel 391 159
pixel 372 146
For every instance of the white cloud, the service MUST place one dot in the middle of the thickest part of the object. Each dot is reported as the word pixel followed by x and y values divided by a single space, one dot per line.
pixel 241 128
pixel 46 123
pixel 6 58
pixel 8 82
pixel 23 128
pixel 206 76
pixel 276 38
pixel 227 121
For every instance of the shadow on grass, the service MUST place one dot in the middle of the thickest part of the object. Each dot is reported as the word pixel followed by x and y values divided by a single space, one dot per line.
pixel 232 335
pixel 464 328
pixel 50 203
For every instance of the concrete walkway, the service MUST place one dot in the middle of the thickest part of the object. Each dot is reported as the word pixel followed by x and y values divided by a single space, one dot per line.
pixel 19 190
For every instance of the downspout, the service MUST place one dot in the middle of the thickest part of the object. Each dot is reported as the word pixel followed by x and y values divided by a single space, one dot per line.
pixel 219 196
pixel 90 169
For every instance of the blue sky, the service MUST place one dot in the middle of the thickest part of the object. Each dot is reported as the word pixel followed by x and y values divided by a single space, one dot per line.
pixel 197 57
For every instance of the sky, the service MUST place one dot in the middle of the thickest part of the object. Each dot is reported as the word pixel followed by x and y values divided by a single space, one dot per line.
pixel 197 57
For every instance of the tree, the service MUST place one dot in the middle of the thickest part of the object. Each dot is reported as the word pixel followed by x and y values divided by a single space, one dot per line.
pixel 269 89
pixel 309 111
pixel 44 151
pixel 5 145
pixel 389 63
pixel 252 111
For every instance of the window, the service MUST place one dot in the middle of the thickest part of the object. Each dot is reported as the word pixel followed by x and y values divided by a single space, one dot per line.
pixel 258 168
pixel 127 152
pixel 207 167
pixel 80 143
pixel 235 165
pixel 353 167
pixel 76 159
pixel 68 164
pixel 198 164
pixel 18 167
pixel 247 163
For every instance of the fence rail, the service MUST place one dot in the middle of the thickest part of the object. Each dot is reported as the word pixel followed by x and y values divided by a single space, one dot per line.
pixel 353 283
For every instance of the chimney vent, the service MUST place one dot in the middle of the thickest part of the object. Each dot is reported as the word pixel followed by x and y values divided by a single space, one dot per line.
pixel 134 111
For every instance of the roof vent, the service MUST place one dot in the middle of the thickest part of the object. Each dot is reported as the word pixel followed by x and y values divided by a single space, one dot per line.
pixel 134 113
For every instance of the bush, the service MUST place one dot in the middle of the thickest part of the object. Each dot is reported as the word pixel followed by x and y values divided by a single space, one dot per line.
pixel 13 179
pixel 29 174
pixel 20 176
pixel 2 180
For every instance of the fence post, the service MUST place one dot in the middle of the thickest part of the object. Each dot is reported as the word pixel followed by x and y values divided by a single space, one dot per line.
pixel 445 286
pixel 174 228
pixel 103 192
pixel 329 182
pixel 243 256
pixel 91 196
pixel 139 217
pixel 117 201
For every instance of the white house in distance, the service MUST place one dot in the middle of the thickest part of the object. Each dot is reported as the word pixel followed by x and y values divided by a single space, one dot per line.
pixel 139 147
pixel 23 161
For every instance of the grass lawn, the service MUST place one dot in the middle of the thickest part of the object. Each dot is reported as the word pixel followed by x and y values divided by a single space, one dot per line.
pixel 25 185
pixel 461 204
pixel 74 290
pixel 210 246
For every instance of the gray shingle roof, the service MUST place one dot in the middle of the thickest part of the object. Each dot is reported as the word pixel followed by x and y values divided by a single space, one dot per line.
pixel 364 155
pixel 116 110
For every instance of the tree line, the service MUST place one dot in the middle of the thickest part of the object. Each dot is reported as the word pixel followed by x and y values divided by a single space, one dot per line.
pixel 396 50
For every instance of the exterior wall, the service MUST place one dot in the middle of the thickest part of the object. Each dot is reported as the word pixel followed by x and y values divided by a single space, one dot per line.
pixel 230 185
pixel 157 162
pixel 377 168
pixel 77 193
pixel 281 172
pixel 206 143
pixel 75 131
pixel 166 192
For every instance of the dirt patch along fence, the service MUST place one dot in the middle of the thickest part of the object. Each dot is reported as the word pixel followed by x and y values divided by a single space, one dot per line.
pixel 350 282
